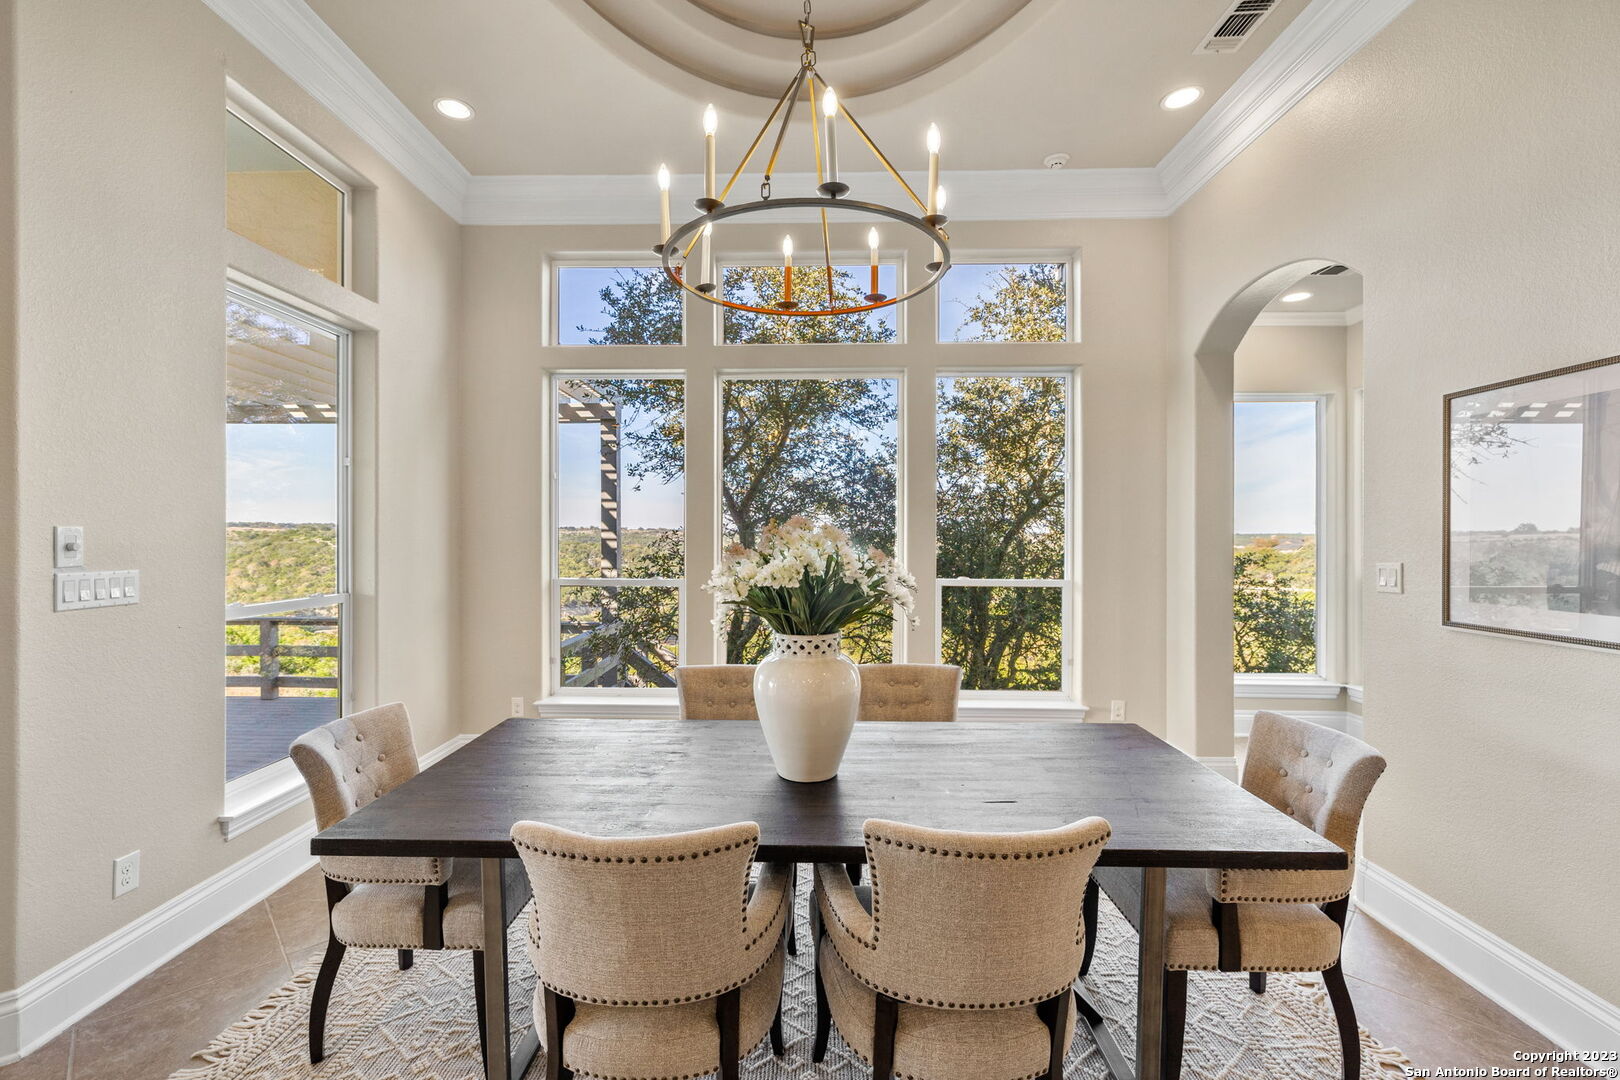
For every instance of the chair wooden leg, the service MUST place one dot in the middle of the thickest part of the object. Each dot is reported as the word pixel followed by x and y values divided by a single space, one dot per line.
pixel 823 1011
pixel 559 1010
pixel 854 871
pixel 322 996
pixel 407 957
pixel 728 1015
pixel 778 1042
pixel 885 1019
pixel 793 911
pixel 1257 981
pixel 1088 915
pixel 1344 1011
pixel 478 1005
pixel 1054 1013
pixel 1175 1023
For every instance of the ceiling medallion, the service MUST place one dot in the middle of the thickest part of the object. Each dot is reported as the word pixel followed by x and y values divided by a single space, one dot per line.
pixel 698 275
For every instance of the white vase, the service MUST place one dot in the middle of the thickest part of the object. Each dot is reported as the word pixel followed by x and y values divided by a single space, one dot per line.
pixel 807 693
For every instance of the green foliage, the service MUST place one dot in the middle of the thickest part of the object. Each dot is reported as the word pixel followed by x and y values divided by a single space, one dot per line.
pixel 762 286
pixel 1029 302
pixel 1001 505
pixel 265 561
pixel 1274 607
pixel 645 307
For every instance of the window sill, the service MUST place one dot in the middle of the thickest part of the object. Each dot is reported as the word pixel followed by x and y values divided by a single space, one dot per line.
pixel 662 705
pixel 259 796
pixel 1284 687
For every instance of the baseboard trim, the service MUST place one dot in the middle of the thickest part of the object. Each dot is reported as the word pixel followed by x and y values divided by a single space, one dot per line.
pixel 1564 1011
pixel 1337 719
pixel 41 1009
pixel 1226 766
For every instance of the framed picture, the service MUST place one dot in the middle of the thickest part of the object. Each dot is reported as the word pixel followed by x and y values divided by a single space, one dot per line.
pixel 1532 506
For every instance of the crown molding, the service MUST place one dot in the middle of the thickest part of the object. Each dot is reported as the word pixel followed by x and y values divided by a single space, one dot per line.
pixel 1308 318
pixel 989 195
pixel 1321 38
pixel 1309 49
pixel 293 37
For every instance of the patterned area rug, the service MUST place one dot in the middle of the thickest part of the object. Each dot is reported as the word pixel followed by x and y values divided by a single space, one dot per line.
pixel 419 1024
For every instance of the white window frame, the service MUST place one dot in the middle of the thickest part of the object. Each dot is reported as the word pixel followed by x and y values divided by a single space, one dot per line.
pixel 555 689
pixel 259 795
pixel 1324 682
pixel 726 260
pixel 1005 704
pixel 242 105
pixel 552 302
pixel 901 638
pixel 1068 259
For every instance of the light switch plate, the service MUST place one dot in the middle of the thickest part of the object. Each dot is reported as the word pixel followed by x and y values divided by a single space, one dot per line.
pixel 73 590
pixel 69 542
pixel 1391 577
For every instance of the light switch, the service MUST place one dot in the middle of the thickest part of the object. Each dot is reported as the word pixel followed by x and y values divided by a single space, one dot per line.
pixel 1390 577
pixel 69 542
pixel 86 590
pixel 101 587
pixel 70 590
pixel 129 586
pixel 115 588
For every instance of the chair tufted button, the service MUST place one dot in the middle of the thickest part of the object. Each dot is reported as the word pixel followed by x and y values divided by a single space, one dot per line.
pixel 1282 772
pixel 359 737
pixel 1304 753
pixel 1309 789
pixel 379 757
pixel 1290 811
pixel 1329 763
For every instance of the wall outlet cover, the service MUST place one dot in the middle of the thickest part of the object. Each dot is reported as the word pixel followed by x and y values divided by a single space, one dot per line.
pixel 126 873
pixel 517 706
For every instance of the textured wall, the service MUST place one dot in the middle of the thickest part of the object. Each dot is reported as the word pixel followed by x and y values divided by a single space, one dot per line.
pixel 119 728
pixel 1461 161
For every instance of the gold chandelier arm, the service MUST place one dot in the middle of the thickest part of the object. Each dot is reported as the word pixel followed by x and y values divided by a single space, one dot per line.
pixel 872 146
pixel 793 85
pixel 787 119
pixel 816 120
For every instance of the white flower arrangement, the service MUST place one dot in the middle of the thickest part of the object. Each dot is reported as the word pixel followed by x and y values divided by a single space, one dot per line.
pixel 808 579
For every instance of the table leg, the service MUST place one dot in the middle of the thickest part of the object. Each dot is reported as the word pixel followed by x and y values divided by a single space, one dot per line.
pixel 504 1061
pixel 1150 977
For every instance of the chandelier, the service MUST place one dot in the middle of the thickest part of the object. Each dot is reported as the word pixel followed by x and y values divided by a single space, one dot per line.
pixel 698 275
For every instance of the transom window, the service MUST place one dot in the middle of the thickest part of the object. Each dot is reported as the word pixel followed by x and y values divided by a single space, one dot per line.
pixel 282 201
pixel 1005 301
pixel 617 305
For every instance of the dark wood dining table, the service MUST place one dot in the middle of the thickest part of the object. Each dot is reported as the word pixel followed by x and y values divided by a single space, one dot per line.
pixel 645 777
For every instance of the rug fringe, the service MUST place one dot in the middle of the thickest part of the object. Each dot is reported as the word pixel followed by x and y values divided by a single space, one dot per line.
pixel 243 1034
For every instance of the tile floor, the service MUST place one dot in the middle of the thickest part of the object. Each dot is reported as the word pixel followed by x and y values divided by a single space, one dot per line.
pixel 153 1028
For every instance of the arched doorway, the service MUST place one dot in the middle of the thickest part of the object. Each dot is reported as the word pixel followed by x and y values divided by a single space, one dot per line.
pixel 1284 369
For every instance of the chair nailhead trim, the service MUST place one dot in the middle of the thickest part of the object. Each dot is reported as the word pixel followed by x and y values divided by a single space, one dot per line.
pixel 438 878
pixel 1226 898
pixel 648 1004
pixel 962 1006
pixel 682 1076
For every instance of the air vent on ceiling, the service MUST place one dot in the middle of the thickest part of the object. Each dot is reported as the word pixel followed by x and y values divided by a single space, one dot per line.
pixel 1236 25
pixel 1329 271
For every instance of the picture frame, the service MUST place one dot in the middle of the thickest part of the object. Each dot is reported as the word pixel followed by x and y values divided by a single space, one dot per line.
pixel 1531 506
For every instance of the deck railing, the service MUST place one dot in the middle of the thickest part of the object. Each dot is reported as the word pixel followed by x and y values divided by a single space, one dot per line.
pixel 271 652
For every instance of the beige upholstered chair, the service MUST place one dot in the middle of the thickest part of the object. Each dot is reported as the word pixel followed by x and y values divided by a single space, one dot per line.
pixel 1261 921
pixel 909 691
pixel 648 966
pixel 958 963
pixel 381 903
pixel 716 692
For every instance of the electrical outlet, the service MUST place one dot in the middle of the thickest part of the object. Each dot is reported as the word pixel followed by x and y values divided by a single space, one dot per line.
pixel 517 706
pixel 1116 712
pixel 126 873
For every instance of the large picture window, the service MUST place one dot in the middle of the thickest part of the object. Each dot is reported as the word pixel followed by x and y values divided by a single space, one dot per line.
pixel 1277 507
pixel 824 448
pixel 1002 515
pixel 286 574
pixel 620 545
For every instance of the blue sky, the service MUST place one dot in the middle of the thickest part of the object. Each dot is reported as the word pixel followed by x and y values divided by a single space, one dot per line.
pixel 655 505
pixel 1274 467
pixel 281 472
pixel 579 299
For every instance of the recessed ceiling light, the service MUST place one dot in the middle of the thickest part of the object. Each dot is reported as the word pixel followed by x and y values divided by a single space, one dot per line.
pixel 454 108
pixel 1296 297
pixel 1180 99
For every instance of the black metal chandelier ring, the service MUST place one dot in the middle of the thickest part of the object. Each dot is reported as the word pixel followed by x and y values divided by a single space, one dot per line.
pixel 675 251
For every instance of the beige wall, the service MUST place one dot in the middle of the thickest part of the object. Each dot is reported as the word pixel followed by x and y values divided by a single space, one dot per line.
pixel 1468 176
pixel 10 884
pixel 118 719
pixel 1121 354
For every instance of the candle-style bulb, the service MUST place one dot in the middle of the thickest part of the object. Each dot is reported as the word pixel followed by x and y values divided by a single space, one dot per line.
pixel 829 103
pixel 872 239
pixel 663 178
pixel 933 138
pixel 939 199
pixel 787 247
pixel 711 121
